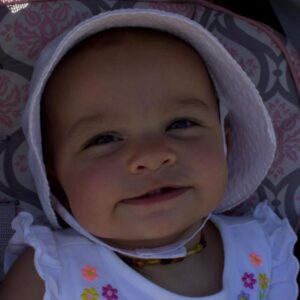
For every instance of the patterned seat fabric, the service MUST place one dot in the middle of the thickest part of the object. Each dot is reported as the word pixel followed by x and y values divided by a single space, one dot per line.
pixel 270 61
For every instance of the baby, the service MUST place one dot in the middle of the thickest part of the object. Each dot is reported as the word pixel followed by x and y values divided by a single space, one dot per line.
pixel 150 131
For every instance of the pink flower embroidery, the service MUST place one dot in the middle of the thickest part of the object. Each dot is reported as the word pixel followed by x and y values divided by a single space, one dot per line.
pixel 109 292
pixel 249 280
pixel 255 259
pixel 89 273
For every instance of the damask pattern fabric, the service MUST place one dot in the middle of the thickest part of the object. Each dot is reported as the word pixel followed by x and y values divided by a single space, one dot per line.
pixel 269 60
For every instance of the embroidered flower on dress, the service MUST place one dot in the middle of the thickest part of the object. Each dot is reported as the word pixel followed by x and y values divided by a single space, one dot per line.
pixel 263 281
pixel 249 280
pixel 243 296
pixel 89 294
pixel 255 259
pixel 109 292
pixel 89 273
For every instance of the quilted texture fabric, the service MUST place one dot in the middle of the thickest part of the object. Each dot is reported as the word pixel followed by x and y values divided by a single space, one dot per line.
pixel 269 60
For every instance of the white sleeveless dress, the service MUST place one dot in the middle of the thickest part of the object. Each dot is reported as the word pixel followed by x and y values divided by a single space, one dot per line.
pixel 259 263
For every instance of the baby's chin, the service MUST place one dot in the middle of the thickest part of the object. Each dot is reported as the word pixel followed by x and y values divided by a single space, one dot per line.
pixel 136 244
pixel 150 241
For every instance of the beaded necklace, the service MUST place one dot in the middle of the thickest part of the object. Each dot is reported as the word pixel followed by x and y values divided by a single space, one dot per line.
pixel 140 262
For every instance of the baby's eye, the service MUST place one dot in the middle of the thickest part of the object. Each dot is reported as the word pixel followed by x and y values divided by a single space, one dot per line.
pixel 181 124
pixel 102 139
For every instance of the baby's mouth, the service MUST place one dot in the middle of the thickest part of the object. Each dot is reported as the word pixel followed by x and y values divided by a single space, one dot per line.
pixel 158 191
pixel 157 195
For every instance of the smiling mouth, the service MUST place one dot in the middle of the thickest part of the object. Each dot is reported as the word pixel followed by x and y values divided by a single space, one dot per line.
pixel 159 195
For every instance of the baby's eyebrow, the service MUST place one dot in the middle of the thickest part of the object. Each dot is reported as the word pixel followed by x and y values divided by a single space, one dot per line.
pixel 87 121
pixel 100 118
pixel 195 103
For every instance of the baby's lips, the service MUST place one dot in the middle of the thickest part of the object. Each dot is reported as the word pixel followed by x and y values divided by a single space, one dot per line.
pixel 158 196
pixel 153 190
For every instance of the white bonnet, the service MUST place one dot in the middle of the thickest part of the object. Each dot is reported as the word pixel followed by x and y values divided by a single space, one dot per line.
pixel 254 143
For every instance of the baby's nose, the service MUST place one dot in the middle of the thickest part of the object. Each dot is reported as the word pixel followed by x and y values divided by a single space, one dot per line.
pixel 151 157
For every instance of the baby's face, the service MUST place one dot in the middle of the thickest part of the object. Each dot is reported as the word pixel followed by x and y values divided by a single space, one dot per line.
pixel 127 115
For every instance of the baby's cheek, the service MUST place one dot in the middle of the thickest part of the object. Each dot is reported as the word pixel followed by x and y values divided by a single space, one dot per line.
pixel 92 192
pixel 208 165
pixel 94 180
pixel 207 152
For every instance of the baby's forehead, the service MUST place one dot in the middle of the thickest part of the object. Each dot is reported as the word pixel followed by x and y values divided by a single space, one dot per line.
pixel 129 37
pixel 141 40
pixel 116 43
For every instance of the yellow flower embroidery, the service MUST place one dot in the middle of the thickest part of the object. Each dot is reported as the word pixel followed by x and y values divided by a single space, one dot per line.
pixel 90 294
pixel 263 281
